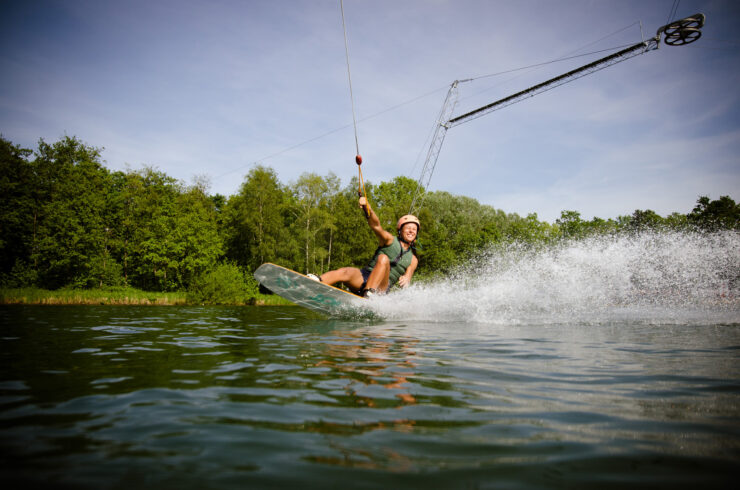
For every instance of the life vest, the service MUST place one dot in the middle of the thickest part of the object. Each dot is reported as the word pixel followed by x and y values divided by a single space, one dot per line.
pixel 400 259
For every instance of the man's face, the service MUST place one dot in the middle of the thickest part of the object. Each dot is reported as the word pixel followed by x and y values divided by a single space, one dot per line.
pixel 408 232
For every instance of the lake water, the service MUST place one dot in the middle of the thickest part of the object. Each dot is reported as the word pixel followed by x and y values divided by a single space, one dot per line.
pixel 609 363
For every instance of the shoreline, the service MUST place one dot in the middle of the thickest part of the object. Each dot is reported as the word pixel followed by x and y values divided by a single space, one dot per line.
pixel 118 297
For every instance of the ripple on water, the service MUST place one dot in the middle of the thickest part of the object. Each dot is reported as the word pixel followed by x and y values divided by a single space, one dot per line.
pixel 324 402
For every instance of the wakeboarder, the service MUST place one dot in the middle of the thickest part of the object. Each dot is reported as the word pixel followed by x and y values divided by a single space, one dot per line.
pixel 394 260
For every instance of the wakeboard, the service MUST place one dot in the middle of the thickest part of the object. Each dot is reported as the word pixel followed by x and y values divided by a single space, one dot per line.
pixel 305 292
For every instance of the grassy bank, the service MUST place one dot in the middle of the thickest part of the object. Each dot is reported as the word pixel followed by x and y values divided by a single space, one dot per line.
pixel 112 296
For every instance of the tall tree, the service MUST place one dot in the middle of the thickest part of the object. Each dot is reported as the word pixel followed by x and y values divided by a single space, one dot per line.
pixel 645 220
pixel 352 241
pixel 456 228
pixel 198 246
pixel 722 213
pixel 332 206
pixel 571 225
pixel 311 193
pixel 393 199
pixel 253 221
pixel 17 182
pixel 164 234
pixel 150 200
pixel 529 229
pixel 69 238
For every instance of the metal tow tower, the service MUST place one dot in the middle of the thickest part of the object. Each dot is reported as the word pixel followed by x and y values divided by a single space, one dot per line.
pixel 440 129
pixel 677 33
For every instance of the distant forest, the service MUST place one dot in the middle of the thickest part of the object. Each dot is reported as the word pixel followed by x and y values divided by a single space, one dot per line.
pixel 68 221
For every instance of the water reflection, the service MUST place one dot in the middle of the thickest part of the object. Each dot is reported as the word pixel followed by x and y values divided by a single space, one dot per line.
pixel 93 394
pixel 371 361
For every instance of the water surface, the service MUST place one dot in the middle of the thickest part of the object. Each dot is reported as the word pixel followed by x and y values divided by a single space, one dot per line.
pixel 96 397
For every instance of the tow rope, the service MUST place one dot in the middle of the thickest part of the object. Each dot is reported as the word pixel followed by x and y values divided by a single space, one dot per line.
pixel 358 158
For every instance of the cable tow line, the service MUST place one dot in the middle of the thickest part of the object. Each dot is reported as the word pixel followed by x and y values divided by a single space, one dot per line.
pixel 358 158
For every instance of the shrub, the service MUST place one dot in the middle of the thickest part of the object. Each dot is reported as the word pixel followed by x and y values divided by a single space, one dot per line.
pixel 23 275
pixel 226 284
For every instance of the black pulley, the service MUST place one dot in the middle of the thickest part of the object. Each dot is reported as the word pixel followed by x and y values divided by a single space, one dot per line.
pixel 683 31
pixel 682 36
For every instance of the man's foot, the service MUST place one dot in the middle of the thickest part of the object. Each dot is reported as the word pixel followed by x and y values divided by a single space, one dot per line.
pixel 314 277
pixel 369 293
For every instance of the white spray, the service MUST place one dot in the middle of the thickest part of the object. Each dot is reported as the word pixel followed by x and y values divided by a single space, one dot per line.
pixel 656 278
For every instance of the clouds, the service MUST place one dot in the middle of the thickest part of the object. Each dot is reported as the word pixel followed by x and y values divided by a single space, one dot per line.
pixel 213 87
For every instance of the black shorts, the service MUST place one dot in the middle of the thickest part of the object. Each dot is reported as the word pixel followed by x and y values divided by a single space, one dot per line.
pixel 365 275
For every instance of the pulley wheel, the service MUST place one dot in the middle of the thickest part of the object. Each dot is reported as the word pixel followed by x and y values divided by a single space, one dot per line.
pixel 682 36
pixel 683 31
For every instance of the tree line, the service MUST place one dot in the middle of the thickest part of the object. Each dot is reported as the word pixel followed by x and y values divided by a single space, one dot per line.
pixel 68 221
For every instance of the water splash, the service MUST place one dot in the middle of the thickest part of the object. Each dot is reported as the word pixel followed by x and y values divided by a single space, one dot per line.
pixel 653 278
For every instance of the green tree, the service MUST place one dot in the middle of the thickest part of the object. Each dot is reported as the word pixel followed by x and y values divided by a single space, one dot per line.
pixel 393 200
pixel 161 233
pixel 645 220
pixel 198 246
pixel 253 220
pixel 722 213
pixel 571 225
pixel 70 211
pixel 311 195
pixel 601 226
pixel 457 227
pixel 677 221
pixel 353 243
pixel 147 230
pixel 218 201
pixel 331 205
pixel 529 229
pixel 17 207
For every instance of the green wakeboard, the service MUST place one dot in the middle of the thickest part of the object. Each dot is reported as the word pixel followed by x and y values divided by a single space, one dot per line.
pixel 305 292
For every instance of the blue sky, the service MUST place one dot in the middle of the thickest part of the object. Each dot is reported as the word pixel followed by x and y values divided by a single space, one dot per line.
pixel 213 87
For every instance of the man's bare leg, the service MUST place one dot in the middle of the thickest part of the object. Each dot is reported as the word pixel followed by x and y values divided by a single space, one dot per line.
pixel 378 279
pixel 351 276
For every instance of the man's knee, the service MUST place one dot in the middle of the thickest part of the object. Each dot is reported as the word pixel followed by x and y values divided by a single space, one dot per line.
pixel 347 273
pixel 383 261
